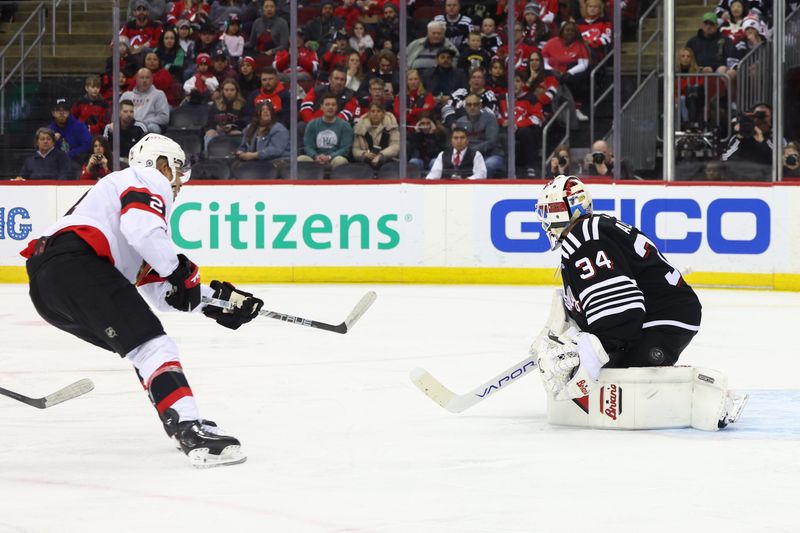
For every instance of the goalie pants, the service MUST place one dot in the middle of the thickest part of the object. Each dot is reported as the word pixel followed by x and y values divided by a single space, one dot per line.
pixel 658 346
pixel 80 293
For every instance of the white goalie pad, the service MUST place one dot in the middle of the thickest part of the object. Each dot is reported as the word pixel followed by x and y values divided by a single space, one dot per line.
pixel 648 398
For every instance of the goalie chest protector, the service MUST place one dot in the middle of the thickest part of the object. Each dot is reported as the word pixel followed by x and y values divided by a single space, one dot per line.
pixel 617 282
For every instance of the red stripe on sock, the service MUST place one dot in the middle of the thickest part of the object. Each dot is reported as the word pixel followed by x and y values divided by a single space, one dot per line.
pixel 169 365
pixel 173 397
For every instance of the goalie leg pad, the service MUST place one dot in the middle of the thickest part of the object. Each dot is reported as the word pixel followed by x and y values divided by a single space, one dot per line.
pixel 647 398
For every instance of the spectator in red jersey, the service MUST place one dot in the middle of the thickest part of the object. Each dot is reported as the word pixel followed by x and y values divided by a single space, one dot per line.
pixel 733 19
pixel 202 85
pixel 163 80
pixel 97 165
pixel 337 54
pixel 273 91
pixel 142 32
pixel 269 34
pixel 347 105
pixel 227 106
pixel 349 12
pixel 91 109
pixel 522 50
pixel 568 58
pixel 419 100
pixel 248 81
pixel 536 32
pixel 307 60
pixel 595 29
pixel 542 84
pixel 195 11
pixel 528 121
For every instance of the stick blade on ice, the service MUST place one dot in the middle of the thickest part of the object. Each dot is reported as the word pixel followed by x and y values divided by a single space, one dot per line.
pixel 433 389
pixel 69 392
pixel 361 307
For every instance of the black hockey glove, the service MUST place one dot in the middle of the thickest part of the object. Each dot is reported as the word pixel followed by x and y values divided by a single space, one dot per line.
pixel 185 294
pixel 246 306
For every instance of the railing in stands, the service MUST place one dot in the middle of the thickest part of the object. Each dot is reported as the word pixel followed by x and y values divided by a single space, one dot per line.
pixel 654 9
pixel 640 125
pixel 37 17
pixel 792 33
pixel 593 104
pixel 716 95
pixel 563 109
pixel 754 77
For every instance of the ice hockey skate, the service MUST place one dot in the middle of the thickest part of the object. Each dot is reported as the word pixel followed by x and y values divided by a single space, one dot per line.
pixel 206 445
pixel 202 441
pixel 734 405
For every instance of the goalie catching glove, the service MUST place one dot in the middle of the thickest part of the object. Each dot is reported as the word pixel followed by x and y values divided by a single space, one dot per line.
pixel 569 364
pixel 245 305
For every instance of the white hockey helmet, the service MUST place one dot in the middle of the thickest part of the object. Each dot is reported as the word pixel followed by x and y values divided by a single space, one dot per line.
pixel 146 152
pixel 562 201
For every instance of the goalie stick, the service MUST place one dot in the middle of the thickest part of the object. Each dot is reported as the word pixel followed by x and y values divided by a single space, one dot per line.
pixel 456 403
pixel 69 392
pixel 360 308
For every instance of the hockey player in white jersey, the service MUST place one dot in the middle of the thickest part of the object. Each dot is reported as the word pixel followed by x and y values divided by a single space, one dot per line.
pixel 626 308
pixel 85 270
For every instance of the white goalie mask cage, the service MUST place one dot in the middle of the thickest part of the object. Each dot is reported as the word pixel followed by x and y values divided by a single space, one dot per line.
pixel 561 201
pixel 146 152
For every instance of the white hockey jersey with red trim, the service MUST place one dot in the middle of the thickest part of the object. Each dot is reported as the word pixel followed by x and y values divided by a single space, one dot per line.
pixel 124 218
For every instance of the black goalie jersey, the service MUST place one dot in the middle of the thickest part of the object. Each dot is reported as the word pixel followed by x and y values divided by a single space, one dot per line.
pixel 617 283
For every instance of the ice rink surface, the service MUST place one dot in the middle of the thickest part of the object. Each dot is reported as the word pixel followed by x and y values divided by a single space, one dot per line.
pixel 339 440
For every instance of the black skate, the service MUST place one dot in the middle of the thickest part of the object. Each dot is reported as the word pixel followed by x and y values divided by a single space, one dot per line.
pixel 206 446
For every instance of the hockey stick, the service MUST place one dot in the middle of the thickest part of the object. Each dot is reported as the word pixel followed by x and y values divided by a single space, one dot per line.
pixel 456 403
pixel 67 393
pixel 360 308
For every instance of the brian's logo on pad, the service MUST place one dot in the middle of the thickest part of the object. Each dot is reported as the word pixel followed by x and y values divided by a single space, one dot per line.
pixel 611 400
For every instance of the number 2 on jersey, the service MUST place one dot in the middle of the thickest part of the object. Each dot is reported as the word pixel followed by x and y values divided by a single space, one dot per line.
pixel 588 269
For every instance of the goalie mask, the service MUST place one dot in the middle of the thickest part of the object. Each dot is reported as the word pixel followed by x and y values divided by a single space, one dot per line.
pixel 146 152
pixel 562 201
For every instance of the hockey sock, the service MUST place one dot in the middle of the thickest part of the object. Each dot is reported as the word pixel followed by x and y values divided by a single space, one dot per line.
pixel 159 370
pixel 169 389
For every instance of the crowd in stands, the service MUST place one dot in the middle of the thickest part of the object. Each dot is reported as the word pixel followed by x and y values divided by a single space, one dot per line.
pixel 726 36
pixel 215 77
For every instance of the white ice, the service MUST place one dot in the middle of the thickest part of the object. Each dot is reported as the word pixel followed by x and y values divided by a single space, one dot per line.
pixel 339 440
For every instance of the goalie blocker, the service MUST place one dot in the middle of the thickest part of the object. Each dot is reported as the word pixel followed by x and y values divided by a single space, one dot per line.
pixel 651 398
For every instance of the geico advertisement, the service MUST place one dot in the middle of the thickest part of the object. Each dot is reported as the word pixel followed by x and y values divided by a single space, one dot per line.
pixel 24 213
pixel 727 229
pixel 300 225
